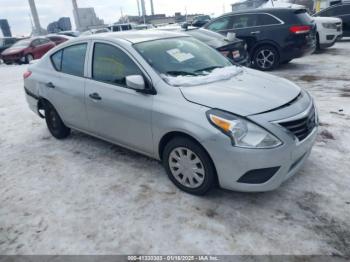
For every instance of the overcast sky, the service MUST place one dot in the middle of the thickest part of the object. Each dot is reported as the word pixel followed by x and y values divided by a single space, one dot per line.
pixel 18 13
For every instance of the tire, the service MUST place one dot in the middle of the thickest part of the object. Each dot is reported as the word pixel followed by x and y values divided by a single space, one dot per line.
pixel 54 123
pixel 286 62
pixel 318 46
pixel 266 58
pixel 28 58
pixel 180 156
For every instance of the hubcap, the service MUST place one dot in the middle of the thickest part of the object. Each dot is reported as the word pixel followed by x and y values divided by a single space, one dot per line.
pixel 265 58
pixel 186 167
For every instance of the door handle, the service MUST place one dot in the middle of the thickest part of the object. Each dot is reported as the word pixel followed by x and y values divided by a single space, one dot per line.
pixel 95 96
pixel 255 32
pixel 50 85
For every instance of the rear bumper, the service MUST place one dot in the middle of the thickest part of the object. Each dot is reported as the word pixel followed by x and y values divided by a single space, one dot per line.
pixel 299 46
pixel 32 101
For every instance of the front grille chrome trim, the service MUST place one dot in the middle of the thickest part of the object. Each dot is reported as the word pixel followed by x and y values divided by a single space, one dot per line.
pixel 298 125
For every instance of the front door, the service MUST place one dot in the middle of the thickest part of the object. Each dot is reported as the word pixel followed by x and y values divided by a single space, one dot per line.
pixel 115 112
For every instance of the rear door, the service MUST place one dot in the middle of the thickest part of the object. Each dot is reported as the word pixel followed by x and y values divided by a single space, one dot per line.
pixel 115 112
pixel 65 86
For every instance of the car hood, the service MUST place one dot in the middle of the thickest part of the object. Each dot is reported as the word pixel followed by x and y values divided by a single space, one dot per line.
pixel 319 19
pixel 250 92
pixel 12 50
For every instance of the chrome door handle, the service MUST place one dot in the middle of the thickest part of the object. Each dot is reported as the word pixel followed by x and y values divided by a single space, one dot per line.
pixel 255 32
pixel 50 85
pixel 95 96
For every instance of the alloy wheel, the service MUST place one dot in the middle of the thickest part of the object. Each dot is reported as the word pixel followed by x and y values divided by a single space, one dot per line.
pixel 186 167
pixel 265 59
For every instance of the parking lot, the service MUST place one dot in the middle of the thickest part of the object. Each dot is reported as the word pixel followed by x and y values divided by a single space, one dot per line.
pixel 85 196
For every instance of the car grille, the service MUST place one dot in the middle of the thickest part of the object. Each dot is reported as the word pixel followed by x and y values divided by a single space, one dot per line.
pixel 302 127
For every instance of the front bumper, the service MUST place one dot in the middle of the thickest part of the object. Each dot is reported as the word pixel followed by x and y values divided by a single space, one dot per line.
pixel 232 163
pixel 328 37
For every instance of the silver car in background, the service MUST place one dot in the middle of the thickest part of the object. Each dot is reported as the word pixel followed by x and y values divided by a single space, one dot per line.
pixel 173 98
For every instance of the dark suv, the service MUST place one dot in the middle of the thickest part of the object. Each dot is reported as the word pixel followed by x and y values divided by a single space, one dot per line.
pixel 342 11
pixel 274 36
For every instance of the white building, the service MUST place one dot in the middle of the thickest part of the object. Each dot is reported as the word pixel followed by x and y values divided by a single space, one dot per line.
pixel 86 19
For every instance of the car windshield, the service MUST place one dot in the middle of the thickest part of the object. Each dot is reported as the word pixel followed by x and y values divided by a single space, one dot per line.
pixel 182 56
pixel 22 43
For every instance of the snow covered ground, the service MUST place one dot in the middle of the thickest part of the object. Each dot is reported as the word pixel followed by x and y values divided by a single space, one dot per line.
pixel 86 196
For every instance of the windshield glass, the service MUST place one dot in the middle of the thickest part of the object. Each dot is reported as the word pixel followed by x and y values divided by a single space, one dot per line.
pixel 181 56
pixel 22 43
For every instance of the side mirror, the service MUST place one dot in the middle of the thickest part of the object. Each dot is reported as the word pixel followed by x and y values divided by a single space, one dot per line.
pixel 136 82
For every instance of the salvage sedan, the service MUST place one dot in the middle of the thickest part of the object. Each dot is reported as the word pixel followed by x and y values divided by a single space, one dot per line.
pixel 171 97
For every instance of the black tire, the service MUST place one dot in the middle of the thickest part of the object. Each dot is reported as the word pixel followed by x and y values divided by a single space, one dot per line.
pixel 210 174
pixel 318 46
pixel 286 62
pixel 28 58
pixel 54 123
pixel 272 58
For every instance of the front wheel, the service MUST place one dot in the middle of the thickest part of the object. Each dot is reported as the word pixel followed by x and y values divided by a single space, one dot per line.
pixel 54 123
pixel 28 58
pixel 189 166
pixel 266 58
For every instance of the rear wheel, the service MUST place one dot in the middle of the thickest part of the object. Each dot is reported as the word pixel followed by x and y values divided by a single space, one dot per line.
pixel 189 166
pixel 54 123
pixel 266 58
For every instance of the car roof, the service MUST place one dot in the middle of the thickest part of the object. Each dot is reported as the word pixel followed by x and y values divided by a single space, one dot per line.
pixel 264 10
pixel 135 37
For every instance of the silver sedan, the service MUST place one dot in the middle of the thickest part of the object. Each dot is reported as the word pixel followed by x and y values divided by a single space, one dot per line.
pixel 173 98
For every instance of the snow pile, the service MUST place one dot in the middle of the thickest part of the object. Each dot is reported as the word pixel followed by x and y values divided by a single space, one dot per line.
pixel 217 74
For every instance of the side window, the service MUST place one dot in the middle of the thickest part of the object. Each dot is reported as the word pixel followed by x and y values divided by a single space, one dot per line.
pixel 265 19
pixel 327 12
pixel 36 42
pixel 112 65
pixel 341 10
pixel 73 60
pixel 44 41
pixel 56 60
pixel 243 21
pixel 223 23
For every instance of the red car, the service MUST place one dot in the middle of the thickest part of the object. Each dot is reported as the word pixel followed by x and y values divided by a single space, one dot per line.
pixel 27 50
pixel 58 39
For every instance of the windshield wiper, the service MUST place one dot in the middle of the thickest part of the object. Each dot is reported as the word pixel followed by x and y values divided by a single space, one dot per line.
pixel 210 68
pixel 180 73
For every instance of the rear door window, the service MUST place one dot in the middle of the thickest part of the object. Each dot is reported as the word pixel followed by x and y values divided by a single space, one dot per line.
pixel 224 23
pixel 244 21
pixel 56 59
pixel 70 60
pixel 265 19
pixel 73 60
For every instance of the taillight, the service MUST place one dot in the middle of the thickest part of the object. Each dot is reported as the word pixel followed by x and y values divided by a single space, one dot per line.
pixel 300 29
pixel 27 74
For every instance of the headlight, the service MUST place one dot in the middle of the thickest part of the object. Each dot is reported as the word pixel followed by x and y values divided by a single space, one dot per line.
pixel 243 133
pixel 329 25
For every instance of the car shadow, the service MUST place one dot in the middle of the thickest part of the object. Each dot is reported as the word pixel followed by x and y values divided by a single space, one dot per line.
pixel 99 149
